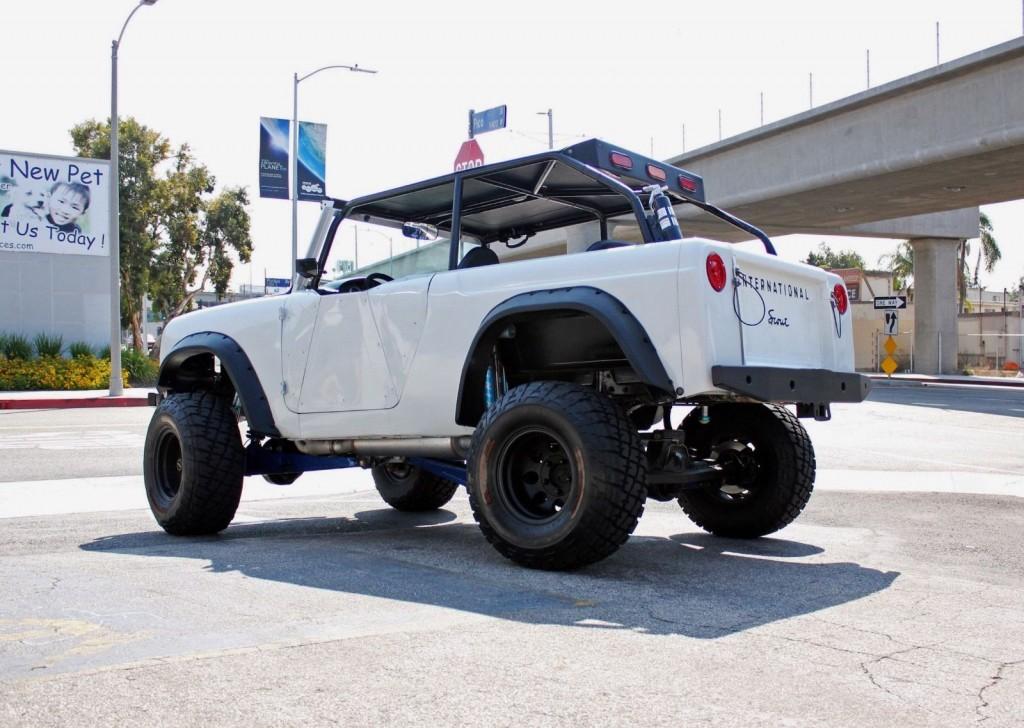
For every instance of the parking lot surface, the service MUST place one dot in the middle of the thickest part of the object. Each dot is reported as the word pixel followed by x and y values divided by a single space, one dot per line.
pixel 897 598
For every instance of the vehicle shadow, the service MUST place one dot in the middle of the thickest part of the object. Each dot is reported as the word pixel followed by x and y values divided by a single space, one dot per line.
pixel 688 584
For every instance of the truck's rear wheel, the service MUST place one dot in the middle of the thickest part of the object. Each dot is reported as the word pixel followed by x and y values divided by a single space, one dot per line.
pixel 193 464
pixel 557 477
pixel 405 487
pixel 768 461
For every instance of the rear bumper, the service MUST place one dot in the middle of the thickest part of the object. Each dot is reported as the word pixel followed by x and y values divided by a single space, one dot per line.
pixel 809 386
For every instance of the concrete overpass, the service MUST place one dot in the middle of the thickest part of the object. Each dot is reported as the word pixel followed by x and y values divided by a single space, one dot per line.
pixel 912 158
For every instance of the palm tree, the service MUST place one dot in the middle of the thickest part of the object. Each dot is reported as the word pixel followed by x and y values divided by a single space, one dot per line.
pixel 901 265
pixel 988 251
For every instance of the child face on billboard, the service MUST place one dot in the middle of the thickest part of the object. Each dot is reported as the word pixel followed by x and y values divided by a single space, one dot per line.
pixel 67 203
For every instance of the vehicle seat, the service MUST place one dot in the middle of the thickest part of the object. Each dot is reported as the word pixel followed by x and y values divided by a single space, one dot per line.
pixel 478 257
pixel 607 245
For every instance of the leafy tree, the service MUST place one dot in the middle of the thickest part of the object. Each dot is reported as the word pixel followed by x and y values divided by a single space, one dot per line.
pixel 176 235
pixel 141 151
pixel 825 257
pixel 901 264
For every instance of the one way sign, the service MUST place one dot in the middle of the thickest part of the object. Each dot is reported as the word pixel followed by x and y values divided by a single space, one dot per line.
pixel 891 302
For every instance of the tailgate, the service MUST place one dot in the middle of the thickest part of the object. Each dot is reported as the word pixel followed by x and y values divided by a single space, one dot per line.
pixel 785 312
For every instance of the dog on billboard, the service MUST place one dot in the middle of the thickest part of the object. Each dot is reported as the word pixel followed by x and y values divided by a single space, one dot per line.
pixel 29 203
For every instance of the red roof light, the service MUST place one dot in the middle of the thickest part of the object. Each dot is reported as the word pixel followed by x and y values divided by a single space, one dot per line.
pixel 657 173
pixel 621 160
pixel 687 184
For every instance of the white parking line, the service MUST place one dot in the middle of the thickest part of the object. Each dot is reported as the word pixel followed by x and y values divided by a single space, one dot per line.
pixel 98 440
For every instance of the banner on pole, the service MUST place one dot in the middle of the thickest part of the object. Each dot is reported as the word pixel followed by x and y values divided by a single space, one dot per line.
pixel 312 161
pixel 274 158
pixel 54 204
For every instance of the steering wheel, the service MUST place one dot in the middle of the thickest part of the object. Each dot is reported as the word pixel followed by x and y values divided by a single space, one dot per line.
pixel 375 279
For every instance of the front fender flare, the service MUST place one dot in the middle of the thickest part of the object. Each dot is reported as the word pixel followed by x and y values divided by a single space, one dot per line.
pixel 235 363
pixel 620 322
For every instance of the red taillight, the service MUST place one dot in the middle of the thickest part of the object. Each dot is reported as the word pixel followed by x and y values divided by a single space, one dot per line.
pixel 840 297
pixel 656 173
pixel 621 160
pixel 687 185
pixel 716 271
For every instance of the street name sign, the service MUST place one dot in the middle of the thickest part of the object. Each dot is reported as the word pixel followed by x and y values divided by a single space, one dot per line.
pixel 489 120
pixel 890 302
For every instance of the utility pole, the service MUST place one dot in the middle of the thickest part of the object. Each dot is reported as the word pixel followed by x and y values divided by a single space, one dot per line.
pixel 719 125
pixel 810 90
pixel 762 108
pixel 936 42
pixel 868 66
pixel 551 127
pixel 684 137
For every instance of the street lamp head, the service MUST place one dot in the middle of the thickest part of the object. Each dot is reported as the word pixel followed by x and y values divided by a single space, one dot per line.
pixel 147 2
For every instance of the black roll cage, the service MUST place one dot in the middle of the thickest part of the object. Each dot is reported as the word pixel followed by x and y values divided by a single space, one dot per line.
pixel 600 164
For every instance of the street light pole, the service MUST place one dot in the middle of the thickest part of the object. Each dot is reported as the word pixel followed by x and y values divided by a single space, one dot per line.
pixel 116 385
pixel 296 80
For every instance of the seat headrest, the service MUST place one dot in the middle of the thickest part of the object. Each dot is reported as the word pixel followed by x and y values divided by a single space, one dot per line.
pixel 477 257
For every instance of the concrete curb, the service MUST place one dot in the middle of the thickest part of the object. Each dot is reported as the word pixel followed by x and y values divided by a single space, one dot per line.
pixel 882 380
pixel 72 402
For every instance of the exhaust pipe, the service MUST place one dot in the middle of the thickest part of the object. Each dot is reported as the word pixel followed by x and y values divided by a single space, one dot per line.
pixel 428 447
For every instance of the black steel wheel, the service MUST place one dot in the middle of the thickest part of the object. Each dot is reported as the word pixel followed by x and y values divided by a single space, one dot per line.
pixel 193 464
pixel 768 465
pixel 406 487
pixel 557 477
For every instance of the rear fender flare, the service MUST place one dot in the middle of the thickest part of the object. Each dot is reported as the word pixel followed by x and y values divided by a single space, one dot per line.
pixel 620 322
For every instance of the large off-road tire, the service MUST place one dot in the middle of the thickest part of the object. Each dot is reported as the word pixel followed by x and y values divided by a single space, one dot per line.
pixel 769 464
pixel 405 487
pixel 557 476
pixel 193 464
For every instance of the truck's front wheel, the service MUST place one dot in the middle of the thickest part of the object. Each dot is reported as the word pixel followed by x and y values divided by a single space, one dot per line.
pixel 557 476
pixel 193 464
pixel 768 465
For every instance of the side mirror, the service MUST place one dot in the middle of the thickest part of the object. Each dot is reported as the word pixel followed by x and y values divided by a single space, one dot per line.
pixel 307 267
pixel 419 231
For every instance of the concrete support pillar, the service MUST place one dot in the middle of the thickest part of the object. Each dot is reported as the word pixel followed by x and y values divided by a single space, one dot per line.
pixel 578 237
pixel 935 305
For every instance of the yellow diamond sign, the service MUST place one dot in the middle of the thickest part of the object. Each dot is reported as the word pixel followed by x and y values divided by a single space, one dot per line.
pixel 889 365
pixel 889 346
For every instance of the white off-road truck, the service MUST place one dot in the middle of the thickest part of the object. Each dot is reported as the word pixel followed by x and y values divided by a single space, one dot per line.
pixel 533 371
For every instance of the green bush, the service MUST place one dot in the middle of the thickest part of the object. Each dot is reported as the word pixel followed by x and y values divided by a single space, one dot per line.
pixel 104 352
pixel 141 370
pixel 51 373
pixel 16 346
pixel 80 350
pixel 49 346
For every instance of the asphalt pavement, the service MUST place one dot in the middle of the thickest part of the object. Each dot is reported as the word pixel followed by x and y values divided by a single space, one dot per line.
pixel 897 598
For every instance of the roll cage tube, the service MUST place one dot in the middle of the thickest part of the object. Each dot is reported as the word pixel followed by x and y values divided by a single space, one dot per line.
pixel 570 202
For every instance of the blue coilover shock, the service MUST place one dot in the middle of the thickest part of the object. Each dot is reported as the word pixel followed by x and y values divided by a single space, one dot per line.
pixel 490 387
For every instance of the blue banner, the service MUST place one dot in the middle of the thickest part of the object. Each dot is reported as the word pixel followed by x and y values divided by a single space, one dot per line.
pixel 274 158
pixel 312 161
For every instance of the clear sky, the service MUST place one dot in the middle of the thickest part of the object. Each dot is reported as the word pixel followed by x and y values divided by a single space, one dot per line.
pixel 204 71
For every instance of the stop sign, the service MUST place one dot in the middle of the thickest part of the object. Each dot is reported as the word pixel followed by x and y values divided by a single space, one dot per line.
pixel 470 155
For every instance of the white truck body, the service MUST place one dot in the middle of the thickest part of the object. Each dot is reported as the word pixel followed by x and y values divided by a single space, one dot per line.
pixel 388 362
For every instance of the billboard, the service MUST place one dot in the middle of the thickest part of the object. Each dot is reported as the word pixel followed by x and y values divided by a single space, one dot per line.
pixel 54 204
pixel 312 161
pixel 274 158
